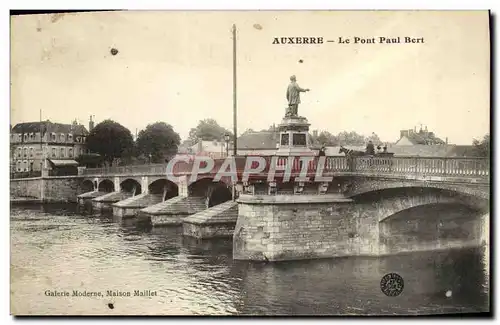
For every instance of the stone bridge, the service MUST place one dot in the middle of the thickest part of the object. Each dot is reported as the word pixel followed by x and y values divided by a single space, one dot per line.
pixel 293 204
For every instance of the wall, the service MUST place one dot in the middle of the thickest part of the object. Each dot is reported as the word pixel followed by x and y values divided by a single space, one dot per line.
pixel 25 187
pixel 49 189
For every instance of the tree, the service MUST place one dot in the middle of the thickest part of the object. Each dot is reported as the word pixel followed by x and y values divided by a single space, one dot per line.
pixel 90 160
pixel 158 141
pixel 208 130
pixel 350 139
pixel 111 140
pixel 373 138
pixel 271 128
pixel 482 148
pixel 327 139
pixel 248 131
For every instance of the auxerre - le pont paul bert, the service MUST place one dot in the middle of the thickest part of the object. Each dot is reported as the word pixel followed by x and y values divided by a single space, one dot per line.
pixel 349 40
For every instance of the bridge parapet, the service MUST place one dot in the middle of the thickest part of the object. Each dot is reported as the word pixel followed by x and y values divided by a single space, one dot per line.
pixel 474 168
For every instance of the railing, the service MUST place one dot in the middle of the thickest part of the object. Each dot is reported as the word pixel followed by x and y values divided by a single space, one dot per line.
pixel 424 166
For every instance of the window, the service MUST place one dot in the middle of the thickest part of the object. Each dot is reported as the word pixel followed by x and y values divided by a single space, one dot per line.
pixel 19 152
pixel 299 139
pixel 70 137
pixel 62 152
pixel 76 151
pixel 285 139
pixel 25 166
pixel 62 137
pixel 25 137
pixel 31 152
pixel 18 166
pixel 53 137
pixel 53 152
pixel 32 136
pixel 70 153
pixel 25 150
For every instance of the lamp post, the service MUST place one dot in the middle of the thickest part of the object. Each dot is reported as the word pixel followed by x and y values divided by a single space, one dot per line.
pixel 226 138
pixel 235 141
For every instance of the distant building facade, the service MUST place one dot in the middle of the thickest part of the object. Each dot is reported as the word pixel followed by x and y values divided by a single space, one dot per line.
pixel 423 137
pixel 35 145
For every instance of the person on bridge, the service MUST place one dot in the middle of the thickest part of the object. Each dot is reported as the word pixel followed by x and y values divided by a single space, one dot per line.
pixel 322 151
pixel 293 96
pixel 370 148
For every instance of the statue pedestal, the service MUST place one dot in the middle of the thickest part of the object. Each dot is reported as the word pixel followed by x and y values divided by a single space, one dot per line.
pixel 294 137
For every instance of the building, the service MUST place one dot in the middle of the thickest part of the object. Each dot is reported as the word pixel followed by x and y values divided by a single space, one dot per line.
pixel 214 149
pixel 423 137
pixel 263 143
pixel 37 145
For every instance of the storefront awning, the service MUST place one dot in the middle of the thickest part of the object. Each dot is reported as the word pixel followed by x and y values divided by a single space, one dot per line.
pixel 63 162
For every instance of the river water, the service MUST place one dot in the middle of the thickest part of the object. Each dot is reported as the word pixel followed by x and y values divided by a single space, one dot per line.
pixel 56 248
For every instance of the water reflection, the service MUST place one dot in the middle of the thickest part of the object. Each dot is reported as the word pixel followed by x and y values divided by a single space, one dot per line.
pixel 57 247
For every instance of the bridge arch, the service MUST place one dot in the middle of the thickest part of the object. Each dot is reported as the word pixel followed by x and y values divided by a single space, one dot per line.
pixel 215 192
pixel 420 218
pixel 131 185
pixel 105 185
pixel 385 203
pixel 164 187
pixel 359 185
pixel 219 193
pixel 87 186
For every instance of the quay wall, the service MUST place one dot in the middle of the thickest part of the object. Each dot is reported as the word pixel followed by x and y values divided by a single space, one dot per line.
pixel 47 189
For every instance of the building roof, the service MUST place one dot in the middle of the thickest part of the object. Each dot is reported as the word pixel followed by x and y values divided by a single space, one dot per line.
pixel 258 140
pixel 34 127
pixel 63 162
pixel 422 137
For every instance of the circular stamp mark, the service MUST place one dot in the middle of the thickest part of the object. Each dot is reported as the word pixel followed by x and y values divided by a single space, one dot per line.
pixel 114 51
pixel 392 284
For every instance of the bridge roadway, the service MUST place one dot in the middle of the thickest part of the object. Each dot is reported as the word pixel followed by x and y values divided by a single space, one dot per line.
pixel 436 170
pixel 469 176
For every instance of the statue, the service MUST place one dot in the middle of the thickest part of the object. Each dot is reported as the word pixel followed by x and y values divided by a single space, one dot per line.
pixel 293 97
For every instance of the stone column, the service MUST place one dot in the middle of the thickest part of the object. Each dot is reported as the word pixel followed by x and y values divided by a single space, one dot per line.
pixel 183 186
pixel 144 184
pixel 117 184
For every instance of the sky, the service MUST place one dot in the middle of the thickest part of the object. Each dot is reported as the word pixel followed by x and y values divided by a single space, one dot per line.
pixel 176 67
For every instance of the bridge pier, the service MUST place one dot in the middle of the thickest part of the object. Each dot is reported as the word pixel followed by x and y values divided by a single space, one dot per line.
pixel 215 222
pixel 105 202
pixel 152 194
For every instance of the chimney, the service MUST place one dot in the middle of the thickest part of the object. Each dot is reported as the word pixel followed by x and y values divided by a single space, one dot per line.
pixel 91 124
